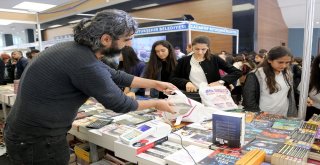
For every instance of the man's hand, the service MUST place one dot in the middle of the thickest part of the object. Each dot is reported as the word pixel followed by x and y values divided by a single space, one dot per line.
pixel 163 105
pixel 131 94
pixel 165 87
pixel 190 87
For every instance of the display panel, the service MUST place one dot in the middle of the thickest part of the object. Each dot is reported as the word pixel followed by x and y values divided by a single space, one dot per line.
pixel 143 45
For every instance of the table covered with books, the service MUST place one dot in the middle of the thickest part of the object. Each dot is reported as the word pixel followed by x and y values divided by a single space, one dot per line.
pixel 228 137
pixel 232 136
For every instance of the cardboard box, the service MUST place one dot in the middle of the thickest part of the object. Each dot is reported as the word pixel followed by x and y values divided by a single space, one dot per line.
pixel 82 152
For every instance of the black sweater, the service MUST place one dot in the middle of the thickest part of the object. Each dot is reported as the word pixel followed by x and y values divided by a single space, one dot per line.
pixel 57 83
pixel 211 70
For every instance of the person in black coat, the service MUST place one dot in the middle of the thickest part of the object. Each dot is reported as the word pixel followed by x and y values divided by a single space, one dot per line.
pixel 21 64
pixel 202 66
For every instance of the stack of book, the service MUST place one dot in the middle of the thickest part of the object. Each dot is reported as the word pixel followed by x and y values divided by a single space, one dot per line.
pixel 157 154
pixel 199 134
pixel 290 154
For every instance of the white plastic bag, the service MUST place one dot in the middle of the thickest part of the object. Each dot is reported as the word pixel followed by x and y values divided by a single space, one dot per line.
pixel 218 97
pixel 188 110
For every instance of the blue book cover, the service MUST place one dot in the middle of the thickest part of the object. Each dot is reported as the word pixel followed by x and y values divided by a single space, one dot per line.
pixel 227 130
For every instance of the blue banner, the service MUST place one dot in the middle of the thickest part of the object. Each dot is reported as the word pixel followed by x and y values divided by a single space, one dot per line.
pixel 162 29
pixel 185 27
pixel 213 29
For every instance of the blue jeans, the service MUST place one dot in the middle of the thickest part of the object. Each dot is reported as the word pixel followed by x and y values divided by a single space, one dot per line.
pixel 28 150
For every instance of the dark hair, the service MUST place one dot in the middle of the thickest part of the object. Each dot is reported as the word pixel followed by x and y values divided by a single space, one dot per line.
pixel 261 55
pixel 238 58
pixel 275 53
pixel 203 40
pixel 315 75
pixel 34 51
pixel 263 51
pixel 116 23
pixel 298 60
pixel 155 63
pixel 130 59
pixel 28 54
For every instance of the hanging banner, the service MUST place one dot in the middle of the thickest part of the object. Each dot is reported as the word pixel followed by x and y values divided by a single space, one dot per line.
pixel 213 29
pixel 162 29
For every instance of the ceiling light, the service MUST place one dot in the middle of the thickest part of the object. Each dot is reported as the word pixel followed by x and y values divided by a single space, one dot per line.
pixel 317 22
pixel 33 6
pixel 145 6
pixel 91 15
pixel 54 26
pixel 75 21
pixel 5 22
pixel 242 7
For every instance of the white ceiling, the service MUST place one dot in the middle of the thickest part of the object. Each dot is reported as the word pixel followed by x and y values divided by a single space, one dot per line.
pixel 294 13
pixel 18 28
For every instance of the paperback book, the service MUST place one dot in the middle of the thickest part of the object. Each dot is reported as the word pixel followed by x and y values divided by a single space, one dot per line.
pixel 221 157
pixel 268 146
pixel 228 128
pixel 286 124
pixel 273 134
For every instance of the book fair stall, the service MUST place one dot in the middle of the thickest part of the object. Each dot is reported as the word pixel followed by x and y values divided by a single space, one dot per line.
pixel 199 133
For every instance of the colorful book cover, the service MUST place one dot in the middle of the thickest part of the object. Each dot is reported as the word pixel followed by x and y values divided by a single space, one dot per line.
pixel 274 134
pixel 228 128
pixel 197 135
pixel 221 157
pixel 286 124
pixel 316 146
pixel 318 134
pixel 268 146
pixel 261 124
pixel 268 116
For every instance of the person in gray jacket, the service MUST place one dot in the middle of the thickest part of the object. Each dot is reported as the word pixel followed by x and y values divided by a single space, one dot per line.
pixel 54 86
pixel 269 88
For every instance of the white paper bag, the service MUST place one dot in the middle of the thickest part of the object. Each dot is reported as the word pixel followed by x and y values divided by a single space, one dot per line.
pixel 218 97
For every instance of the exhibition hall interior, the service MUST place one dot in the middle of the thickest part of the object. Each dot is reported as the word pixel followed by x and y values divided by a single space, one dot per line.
pixel 160 82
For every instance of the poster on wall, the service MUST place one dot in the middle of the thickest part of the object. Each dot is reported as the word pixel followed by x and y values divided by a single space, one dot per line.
pixel 143 45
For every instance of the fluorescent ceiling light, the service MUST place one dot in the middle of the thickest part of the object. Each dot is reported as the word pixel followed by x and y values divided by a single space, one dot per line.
pixel 54 26
pixel 75 21
pixel 242 7
pixel 5 22
pixel 91 15
pixel 33 6
pixel 145 6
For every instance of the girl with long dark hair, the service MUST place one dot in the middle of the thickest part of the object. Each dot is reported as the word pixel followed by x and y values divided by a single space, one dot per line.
pixel 130 63
pixel 161 64
pixel 269 88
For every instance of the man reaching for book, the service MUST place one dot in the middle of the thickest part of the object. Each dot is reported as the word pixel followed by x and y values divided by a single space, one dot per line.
pixel 62 78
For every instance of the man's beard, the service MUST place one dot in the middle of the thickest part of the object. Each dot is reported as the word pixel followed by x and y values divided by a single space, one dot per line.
pixel 112 51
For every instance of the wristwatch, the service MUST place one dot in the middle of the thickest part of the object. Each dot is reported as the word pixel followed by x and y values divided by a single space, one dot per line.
pixel 221 82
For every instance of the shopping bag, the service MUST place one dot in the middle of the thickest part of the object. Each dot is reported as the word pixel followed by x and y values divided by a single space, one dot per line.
pixel 218 97
pixel 186 109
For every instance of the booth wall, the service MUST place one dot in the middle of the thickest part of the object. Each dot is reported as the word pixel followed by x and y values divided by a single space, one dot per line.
pixel 296 36
pixel 212 12
pixel 271 28
pixel 49 34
